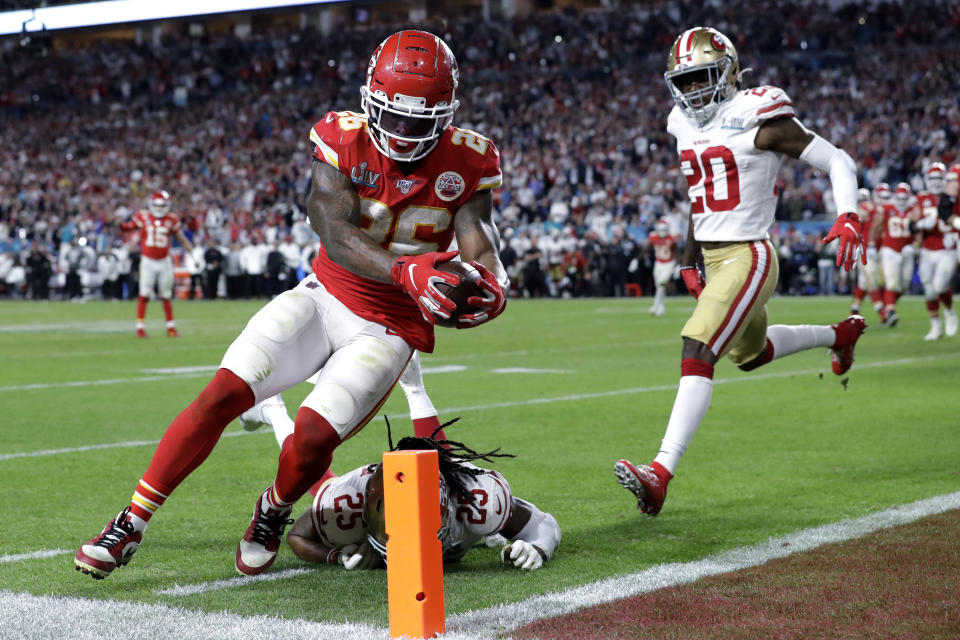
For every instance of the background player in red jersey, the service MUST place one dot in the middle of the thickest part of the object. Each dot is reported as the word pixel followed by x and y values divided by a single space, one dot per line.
pixel 869 276
pixel 938 257
pixel 390 187
pixel 891 232
pixel 665 263
pixel 155 226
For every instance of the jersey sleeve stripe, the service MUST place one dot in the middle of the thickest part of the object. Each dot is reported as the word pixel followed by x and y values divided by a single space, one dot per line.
pixel 329 155
pixel 775 106
pixel 490 182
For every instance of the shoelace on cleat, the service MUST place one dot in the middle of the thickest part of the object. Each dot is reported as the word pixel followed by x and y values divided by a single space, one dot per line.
pixel 268 526
pixel 118 530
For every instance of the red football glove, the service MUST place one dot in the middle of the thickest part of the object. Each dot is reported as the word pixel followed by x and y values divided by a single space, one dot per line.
pixel 416 276
pixel 693 279
pixel 852 241
pixel 492 304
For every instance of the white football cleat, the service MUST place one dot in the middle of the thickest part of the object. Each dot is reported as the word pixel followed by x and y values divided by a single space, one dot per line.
pixel 936 330
pixel 254 418
pixel 950 322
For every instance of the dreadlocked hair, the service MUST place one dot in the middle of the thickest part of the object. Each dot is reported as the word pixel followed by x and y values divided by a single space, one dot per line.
pixel 451 455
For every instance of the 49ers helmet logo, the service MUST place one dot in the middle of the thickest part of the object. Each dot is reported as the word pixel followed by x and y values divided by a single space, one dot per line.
pixel 718 42
pixel 449 186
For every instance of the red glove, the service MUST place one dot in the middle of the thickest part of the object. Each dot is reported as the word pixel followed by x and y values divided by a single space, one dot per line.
pixel 416 276
pixel 852 241
pixel 693 279
pixel 492 304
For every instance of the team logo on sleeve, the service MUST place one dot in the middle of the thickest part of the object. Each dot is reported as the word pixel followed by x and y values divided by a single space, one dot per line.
pixel 449 186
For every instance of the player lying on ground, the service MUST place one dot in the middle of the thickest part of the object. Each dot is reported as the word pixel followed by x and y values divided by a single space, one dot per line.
pixel 731 142
pixel 346 525
pixel 389 189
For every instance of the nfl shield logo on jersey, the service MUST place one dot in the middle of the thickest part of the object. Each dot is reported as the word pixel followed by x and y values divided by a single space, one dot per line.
pixel 404 185
pixel 449 186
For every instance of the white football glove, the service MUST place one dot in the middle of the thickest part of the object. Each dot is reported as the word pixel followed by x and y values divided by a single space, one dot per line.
pixel 494 540
pixel 522 554
pixel 359 557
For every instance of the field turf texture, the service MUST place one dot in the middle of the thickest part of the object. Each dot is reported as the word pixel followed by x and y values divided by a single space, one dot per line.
pixel 568 386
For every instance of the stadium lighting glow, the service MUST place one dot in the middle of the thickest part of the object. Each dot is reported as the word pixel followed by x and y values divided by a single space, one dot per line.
pixel 92 14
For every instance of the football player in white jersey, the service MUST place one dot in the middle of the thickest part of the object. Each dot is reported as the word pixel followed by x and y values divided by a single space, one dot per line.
pixel 731 142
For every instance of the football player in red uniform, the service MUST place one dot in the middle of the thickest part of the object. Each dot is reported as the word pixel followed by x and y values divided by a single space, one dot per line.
pixel 869 278
pixel 390 187
pixel 891 232
pixel 665 256
pixel 731 141
pixel 938 257
pixel 155 226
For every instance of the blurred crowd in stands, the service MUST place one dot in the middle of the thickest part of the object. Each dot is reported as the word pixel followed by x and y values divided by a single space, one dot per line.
pixel 575 102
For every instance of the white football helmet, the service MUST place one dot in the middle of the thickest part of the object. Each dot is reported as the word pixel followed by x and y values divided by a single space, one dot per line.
pixel 901 195
pixel 934 177
pixel 863 195
pixel 881 193
pixel 662 228
pixel 159 203
pixel 703 70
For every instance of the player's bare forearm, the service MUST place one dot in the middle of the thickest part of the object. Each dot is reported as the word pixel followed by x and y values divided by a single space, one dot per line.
pixel 691 250
pixel 783 135
pixel 477 236
pixel 186 244
pixel 333 208
pixel 304 542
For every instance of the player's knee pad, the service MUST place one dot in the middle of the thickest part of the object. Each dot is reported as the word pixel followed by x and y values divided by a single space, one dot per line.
pixel 248 361
pixel 284 317
pixel 334 402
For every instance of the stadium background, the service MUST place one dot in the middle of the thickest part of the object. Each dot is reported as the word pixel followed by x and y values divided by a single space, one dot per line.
pixel 216 110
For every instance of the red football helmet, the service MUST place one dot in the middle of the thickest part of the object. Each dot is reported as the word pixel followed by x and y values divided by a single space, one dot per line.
pixel 934 176
pixel 159 202
pixel 901 195
pixel 410 95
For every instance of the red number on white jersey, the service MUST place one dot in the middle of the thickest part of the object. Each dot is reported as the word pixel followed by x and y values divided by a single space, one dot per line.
pixel 706 166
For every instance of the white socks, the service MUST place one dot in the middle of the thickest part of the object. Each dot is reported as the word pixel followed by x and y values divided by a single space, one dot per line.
pixel 279 419
pixel 693 400
pixel 787 339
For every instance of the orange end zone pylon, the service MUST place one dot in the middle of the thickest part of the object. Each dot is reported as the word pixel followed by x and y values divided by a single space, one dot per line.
pixel 411 489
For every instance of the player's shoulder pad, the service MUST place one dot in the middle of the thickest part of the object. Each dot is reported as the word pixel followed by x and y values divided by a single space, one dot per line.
pixel 334 131
pixel 475 152
pixel 759 104
pixel 490 491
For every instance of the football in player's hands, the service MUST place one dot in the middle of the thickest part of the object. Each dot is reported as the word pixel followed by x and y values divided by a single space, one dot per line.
pixel 460 293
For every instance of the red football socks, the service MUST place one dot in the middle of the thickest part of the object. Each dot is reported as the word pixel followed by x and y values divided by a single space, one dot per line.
pixel 191 437
pixel 306 456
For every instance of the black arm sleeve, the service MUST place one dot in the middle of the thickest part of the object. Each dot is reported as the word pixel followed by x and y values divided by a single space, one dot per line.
pixel 945 207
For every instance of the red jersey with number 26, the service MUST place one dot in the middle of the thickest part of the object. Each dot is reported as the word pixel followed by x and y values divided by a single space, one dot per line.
pixel 406 212
pixel 155 232
pixel 731 182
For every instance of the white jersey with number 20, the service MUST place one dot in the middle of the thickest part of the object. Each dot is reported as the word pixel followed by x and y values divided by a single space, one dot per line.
pixel 731 182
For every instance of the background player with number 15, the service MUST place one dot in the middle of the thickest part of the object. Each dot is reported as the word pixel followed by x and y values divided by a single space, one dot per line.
pixel 731 142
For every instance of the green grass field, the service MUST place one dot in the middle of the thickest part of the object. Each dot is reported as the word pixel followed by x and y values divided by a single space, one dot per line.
pixel 783 448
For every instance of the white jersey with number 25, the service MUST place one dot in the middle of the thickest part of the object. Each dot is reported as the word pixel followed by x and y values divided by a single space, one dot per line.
pixel 731 182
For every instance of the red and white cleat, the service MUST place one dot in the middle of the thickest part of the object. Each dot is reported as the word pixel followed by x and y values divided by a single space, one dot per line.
pixel 141 333
pixel 113 548
pixel 848 332
pixel 258 548
pixel 644 483
pixel 172 332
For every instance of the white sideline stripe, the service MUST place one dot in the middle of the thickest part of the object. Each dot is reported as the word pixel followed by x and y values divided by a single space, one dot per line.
pixel 106 445
pixel 513 403
pixel 227 583
pixel 513 616
pixel 526 370
pixel 45 553
pixel 43 617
